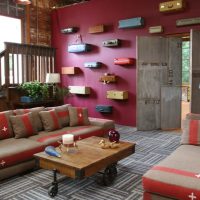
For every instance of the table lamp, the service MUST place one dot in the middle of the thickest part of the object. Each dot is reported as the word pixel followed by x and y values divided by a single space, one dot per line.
pixel 53 78
pixel 22 2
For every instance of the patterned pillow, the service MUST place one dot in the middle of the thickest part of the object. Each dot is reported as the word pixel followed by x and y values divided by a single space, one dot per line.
pixel 5 125
pixel 23 125
pixel 78 116
pixel 191 132
pixel 50 120
pixel 35 113
pixel 62 112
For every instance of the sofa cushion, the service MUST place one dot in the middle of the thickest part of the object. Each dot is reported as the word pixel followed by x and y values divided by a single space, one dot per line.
pixel 191 132
pixel 14 151
pixel 78 116
pixel 23 125
pixel 35 112
pixel 50 120
pixel 177 176
pixel 79 132
pixel 5 125
pixel 150 196
pixel 106 124
pixel 193 116
pixel 16 169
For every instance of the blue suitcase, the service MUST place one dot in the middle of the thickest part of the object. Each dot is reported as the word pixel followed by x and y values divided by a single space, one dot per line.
pixel 78 48
pixel 104 108
pixel 92 64
pixel 131 23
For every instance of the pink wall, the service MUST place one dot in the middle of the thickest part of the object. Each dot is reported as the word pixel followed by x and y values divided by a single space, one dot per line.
pixel 109 12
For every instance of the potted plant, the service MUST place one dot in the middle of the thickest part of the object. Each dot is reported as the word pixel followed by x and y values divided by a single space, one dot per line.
pixel 35 90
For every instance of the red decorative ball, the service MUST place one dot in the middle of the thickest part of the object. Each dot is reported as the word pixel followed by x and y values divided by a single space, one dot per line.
pixel 113 135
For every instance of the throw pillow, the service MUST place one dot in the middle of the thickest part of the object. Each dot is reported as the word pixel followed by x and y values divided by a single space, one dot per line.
pixel 23 125
pixel 63 113
pixel 5 125
pixel 78 116
pixel 35 114
pixel 50 120
pixel 191 132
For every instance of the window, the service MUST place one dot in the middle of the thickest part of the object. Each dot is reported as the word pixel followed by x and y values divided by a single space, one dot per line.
pixel 10 30
pixel 186 70
pixel 23 62
pixel 185 62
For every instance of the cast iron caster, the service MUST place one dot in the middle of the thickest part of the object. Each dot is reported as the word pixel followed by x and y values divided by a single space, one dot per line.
pixel 53 189
pixel 109 175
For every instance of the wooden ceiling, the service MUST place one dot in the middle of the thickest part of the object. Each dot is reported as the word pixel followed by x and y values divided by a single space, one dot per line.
pixel 63 3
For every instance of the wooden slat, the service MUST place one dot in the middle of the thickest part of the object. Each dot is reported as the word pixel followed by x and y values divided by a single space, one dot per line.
pixel 6 60
pixel 17 68
pixel 36 61
pixel 13 69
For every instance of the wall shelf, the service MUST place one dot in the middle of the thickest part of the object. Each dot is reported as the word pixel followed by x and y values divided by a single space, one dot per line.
pixel 123 61
pixel 92 64
pixel 104 108
pixel 155 29
pixel 111 43
pixel 131 23
pixel 117 94
pixel 108 79
pixel 79 90
pixel 172 6
pixel 79 48
pixel 69 30
pixel 96 29
pixel 70 70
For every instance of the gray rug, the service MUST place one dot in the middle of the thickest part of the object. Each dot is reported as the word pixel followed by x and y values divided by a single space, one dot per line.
pixel 152 147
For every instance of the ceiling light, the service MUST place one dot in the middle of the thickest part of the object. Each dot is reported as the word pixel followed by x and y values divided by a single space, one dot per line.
pixel 23 2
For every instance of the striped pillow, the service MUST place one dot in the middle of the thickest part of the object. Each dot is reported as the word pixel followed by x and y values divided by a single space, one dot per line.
pixel 5 125
pixel 50 120
pixel 35 113
pixel 78 116
pixel 23 125
pixel 191 132
pixel 62 112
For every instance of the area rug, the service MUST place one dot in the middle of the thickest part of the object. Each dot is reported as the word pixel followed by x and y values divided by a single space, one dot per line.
pixel 151 147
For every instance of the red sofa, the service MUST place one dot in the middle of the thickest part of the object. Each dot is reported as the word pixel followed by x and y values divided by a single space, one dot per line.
pixel 16 155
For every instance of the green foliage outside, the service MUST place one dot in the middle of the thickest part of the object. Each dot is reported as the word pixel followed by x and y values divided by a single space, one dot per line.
pixel 185 62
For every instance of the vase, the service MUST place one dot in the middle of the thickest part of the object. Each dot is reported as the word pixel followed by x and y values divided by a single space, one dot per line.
pixel 113 136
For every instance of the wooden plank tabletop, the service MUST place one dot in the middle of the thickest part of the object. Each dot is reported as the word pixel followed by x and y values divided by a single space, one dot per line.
pixel 89 157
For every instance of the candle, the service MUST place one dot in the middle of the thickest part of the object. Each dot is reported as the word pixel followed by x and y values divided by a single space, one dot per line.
pixel 68 139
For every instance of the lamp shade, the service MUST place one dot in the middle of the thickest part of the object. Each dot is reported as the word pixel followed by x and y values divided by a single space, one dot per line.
pixel 23 2
pixel 53 78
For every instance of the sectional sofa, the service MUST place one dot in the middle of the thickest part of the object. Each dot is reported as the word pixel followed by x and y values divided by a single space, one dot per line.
pixel 177 176
pixel 24 132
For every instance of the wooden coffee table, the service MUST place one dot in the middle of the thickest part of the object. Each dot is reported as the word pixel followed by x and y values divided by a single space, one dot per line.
pixel 89 159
